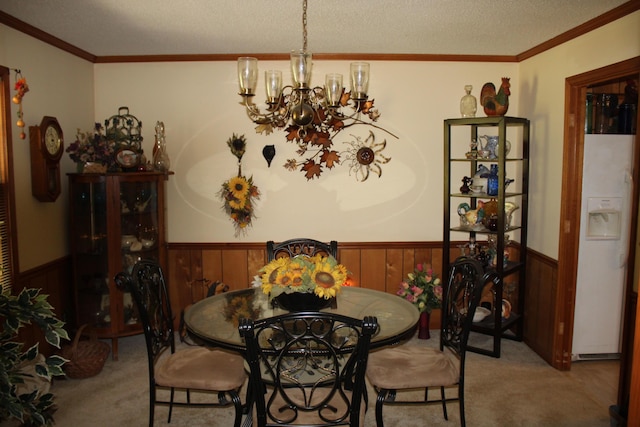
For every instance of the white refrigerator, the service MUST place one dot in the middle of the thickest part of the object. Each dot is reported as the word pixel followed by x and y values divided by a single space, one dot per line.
pixel 603 248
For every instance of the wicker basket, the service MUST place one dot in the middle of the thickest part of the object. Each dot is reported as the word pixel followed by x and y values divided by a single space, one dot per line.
pixel 86 358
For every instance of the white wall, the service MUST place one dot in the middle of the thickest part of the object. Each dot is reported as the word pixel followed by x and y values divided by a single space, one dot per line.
pixel 200 108
pixel 61 85
pixel 542 99
pixel 199 105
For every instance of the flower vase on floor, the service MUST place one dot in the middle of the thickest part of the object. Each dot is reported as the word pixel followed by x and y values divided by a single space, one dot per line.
pixel 423 326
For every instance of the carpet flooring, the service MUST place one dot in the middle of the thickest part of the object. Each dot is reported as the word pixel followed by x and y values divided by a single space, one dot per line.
pixel 518 389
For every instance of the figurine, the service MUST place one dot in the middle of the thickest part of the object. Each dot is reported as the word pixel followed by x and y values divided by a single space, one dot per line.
pixel 495 104
pixel 466 181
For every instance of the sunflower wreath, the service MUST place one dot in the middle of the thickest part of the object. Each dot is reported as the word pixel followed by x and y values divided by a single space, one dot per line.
pixel 239 193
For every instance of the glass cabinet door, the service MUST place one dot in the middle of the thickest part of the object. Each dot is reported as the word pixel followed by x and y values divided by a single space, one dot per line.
pixel 139 232
pixel 89 244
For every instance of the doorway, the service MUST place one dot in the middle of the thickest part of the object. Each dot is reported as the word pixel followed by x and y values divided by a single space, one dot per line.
pixel 576 89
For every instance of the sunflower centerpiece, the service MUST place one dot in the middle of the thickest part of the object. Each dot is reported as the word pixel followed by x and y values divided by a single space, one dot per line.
pixel 317 276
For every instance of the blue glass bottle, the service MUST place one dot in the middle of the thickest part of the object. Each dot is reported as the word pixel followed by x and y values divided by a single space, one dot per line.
pixel 492 181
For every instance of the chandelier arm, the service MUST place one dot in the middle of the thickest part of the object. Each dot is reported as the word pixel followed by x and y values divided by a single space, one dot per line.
pixel 256 116
pixel 357 121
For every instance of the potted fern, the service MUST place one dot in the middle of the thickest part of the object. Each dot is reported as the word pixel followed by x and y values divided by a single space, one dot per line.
pixel 17 401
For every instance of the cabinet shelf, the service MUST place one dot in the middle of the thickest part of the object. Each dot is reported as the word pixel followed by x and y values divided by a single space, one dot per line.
pixel 490 246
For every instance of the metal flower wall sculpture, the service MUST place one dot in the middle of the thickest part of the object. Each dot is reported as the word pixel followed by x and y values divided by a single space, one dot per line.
pixel 239 193
pixel 366 156
pixel 315 141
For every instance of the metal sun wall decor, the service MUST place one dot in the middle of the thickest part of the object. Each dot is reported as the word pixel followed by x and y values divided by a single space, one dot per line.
pixel 239 193
pixel 313 116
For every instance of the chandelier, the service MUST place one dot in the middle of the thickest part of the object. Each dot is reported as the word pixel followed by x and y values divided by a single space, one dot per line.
pixel 311 116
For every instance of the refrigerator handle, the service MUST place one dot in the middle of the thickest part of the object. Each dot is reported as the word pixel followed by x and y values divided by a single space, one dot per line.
pixel 624 246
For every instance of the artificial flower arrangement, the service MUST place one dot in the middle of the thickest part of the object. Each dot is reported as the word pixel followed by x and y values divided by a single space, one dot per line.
pixel 239 193
pixel 422 288
pixel 320 275
pixel 92 147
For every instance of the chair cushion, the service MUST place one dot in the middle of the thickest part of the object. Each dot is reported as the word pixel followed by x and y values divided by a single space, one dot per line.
pixel 406 366
pixel 201 368
pixel 311 417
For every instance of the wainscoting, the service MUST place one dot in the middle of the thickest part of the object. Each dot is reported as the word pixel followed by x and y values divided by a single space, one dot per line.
pixel 374 265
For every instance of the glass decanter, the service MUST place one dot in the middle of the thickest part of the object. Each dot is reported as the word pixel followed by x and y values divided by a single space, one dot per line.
pixel 161 161
pixel 468 103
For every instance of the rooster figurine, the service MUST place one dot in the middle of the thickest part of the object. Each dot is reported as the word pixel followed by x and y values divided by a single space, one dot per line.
pixel 495 104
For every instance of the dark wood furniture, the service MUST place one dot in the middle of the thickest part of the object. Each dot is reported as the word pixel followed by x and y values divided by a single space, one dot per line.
pixel 510 286
pixel 116 219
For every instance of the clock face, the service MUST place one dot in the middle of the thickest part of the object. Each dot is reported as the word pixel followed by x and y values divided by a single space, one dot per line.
pixel 52 140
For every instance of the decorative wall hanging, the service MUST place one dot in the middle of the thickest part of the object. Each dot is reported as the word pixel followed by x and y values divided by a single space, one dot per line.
pixel 269 152
pixel 311 116
pixel 496 104
pixel 124 131
pixel 366 156
pixel 21 87
pixel 239 193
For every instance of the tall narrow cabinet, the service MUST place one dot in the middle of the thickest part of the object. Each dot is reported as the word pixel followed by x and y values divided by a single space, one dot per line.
pixel 492 228
pixel 116 219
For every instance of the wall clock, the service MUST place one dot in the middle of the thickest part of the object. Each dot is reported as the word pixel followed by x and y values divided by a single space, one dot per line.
pixel 47 144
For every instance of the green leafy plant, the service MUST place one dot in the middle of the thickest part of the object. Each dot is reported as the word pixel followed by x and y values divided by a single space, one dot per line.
pixel 31 408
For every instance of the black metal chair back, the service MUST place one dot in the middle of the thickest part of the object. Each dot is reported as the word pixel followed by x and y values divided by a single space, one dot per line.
pixel 308 368
pixel 461 297
pixel 149 291
pixel 394 369
pixel 178 369
pixel 301 246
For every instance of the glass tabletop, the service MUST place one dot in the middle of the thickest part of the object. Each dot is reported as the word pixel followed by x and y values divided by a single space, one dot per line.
pixel 215 319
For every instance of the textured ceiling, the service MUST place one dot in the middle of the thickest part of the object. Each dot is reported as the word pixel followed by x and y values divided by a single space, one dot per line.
pixel 183 27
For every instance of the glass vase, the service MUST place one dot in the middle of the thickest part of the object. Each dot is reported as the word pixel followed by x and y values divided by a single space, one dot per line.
pixel 161 161
pixel 468 103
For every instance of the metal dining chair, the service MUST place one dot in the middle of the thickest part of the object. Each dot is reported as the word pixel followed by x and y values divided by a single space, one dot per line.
pixel 411 367
pixel 301 246
pixel 194 368
pixel 308 369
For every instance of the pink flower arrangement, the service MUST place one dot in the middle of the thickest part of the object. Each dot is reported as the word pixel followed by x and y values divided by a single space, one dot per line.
pixel 422 288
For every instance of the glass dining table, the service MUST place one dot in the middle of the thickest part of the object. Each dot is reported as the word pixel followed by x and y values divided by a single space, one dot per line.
pixel 215 319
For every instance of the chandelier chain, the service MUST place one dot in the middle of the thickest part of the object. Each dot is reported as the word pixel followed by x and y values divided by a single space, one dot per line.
pixel 304 25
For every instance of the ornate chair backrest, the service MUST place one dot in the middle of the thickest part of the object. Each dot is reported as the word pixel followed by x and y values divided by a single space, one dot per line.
pixel 149 290
pixel 461 297
pixel 301 246
pixel 312 365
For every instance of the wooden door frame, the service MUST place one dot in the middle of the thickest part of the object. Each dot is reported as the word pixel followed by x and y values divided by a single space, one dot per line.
pixel 573 151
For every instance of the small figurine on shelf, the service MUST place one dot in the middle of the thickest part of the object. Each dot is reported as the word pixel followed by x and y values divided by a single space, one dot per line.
pixel 466 181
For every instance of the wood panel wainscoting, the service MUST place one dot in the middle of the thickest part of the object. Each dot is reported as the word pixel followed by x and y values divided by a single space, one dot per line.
pixel 53 279
pixel 374 265
pixel 379 265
